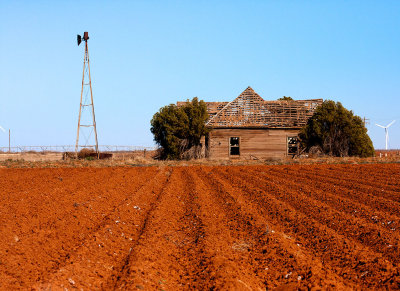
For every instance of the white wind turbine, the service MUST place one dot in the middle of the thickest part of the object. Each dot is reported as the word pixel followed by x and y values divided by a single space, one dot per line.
pixel 386 131
pixel 9 137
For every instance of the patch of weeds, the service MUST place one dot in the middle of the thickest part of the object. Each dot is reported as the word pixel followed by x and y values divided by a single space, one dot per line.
pixel 162 282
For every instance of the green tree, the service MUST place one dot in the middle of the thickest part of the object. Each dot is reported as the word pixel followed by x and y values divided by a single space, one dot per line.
pixel 178 129
pixel 337 132
pixel 286 98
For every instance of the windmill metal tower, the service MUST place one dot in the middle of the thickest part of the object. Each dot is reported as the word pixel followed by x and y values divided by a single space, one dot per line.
pixel 87 120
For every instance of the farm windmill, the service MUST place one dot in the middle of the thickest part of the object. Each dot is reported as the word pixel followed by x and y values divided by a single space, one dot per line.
pixel 386 131
pixel 86 99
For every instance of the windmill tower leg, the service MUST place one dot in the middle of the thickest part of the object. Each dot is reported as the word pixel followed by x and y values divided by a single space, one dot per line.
pixel 93 115
pixel 80 105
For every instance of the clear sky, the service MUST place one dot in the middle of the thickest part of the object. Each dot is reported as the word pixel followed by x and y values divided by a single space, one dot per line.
pixel 147 54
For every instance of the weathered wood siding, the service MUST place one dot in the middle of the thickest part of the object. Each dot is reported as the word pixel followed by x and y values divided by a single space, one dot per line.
pixel 257 143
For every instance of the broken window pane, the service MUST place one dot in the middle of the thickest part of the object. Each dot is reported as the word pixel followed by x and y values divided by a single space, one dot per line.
pixel 292 140
pixel 292 145
pixel 234 146
pixel 234 141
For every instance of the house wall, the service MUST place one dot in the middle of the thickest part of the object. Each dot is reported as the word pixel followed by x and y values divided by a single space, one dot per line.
pixel 254 143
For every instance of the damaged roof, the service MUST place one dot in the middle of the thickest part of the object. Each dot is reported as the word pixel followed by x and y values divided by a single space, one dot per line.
pixel 250 110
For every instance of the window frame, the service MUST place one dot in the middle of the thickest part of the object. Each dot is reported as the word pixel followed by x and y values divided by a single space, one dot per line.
pixel 234 146
pixel 292 145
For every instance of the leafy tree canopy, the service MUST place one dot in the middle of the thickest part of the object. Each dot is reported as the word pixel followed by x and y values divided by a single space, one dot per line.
pixel 336 131
pixel 286 98
pixel 179 129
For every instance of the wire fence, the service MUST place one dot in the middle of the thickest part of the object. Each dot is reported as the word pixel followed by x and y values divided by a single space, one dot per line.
pixel 71 148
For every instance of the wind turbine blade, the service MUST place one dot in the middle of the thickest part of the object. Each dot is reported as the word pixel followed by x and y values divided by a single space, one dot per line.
pixel 2 129
pixel 380 125
pixel 391 123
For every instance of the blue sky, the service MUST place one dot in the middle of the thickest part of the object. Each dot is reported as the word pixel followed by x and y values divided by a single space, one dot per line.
pixel 147 54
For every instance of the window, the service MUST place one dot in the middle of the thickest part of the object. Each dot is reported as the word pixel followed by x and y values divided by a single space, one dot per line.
pixel 292 145
pixel 234 147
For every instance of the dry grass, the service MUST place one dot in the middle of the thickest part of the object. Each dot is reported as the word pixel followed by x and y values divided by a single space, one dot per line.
pixel 138 161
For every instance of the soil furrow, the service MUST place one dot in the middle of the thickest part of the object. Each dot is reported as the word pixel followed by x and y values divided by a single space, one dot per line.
pixel 157 261
pixel 198 268
pixel 356 203
pixel 382 191
pixel 343 255
pixel 226 243
pixel 275 258
pixel 56 224
pixel 101 256
pixel 291 227
pixel 388 174
pixel 367 233
pixel 122 277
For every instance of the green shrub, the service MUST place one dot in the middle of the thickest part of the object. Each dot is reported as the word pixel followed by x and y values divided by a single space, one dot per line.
pixel 179 129
pixel 337 132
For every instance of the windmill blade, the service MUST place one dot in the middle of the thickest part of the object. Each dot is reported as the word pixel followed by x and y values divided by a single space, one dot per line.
pixel 391 123
pixel 2 129
pixel 380 125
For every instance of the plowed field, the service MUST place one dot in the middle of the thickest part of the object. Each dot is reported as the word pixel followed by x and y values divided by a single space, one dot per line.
pixel 201 227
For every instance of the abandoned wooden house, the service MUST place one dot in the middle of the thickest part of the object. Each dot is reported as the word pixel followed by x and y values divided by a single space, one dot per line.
pixel 251 128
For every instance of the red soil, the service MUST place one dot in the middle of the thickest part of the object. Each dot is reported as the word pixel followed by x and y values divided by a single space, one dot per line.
pixel 201 227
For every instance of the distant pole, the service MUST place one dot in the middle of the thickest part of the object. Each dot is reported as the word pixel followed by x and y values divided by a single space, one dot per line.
pixel 365 121
pixel 9 140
